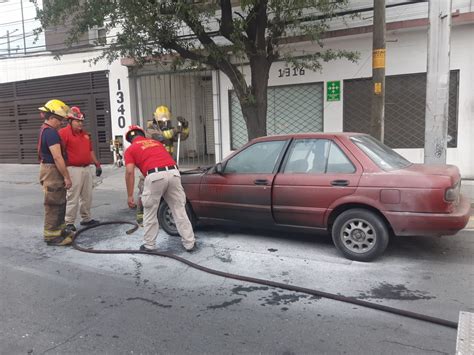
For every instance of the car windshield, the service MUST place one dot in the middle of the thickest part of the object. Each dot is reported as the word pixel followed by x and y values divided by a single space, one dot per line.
pixel 386 158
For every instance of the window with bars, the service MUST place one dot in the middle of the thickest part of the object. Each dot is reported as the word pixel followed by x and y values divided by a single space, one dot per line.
pixel 291 109
pixel 405 100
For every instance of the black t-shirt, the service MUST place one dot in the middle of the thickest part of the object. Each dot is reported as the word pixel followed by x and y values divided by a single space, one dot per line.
pixel 50 137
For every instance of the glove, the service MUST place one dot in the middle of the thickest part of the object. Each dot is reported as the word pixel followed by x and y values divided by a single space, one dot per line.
pixel 98 171
pixel 183 121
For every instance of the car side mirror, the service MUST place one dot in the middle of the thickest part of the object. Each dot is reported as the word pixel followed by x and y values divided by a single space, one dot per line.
pixel 219 169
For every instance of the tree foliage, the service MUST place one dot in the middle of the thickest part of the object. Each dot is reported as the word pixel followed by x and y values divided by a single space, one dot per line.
pixel 223 35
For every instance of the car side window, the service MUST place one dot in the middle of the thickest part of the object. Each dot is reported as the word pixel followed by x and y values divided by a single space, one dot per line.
pixel 307 156
pixel 258 158
pixel 317 156
pixel 338 162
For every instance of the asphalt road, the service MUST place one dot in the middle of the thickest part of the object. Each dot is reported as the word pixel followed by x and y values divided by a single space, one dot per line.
pixel 56 300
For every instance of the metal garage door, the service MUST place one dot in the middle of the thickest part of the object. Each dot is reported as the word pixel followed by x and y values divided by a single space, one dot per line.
pixel 291 109
pixel 20 120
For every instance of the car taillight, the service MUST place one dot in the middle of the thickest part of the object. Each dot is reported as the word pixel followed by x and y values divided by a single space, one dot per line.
pixel 452 194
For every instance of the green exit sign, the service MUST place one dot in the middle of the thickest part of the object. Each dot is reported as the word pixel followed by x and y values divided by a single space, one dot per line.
pixel 333 91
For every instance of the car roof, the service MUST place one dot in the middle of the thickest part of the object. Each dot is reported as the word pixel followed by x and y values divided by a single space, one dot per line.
pixel 308 135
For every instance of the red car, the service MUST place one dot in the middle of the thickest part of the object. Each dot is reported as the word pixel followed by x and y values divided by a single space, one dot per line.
pixel 349 184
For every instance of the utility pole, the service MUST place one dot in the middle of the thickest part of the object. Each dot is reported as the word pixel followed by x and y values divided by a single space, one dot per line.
pixel 378 71
pixel 437 82
pixel 23 24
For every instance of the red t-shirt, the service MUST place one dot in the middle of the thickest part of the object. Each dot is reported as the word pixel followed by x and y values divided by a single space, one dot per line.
pixel 147 154
pixel 78 146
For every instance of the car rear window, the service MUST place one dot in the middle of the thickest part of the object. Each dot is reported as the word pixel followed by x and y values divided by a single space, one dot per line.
pixel 385 157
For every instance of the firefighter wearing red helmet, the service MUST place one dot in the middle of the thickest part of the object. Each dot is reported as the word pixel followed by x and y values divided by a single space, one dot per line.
pixel 162 180
pixel 81 155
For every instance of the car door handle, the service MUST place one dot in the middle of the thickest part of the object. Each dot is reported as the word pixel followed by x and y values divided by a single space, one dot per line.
pixel 261 182
pixel 340 183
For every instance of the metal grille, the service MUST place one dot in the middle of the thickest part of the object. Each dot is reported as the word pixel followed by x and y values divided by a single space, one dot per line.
pixel 291 109
pixel 405 100
pixel 20 121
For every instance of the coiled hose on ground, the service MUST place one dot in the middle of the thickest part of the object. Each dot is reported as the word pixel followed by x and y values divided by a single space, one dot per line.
pixel 308 291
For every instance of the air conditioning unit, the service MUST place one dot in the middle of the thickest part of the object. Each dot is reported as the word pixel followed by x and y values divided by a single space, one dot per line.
pixel 96 34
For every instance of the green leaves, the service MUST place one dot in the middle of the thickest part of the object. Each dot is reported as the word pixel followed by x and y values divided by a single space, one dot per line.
pixel 209 33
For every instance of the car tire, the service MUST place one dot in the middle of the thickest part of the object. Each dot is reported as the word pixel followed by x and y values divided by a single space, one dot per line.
pixel 166 221
pixel 360 234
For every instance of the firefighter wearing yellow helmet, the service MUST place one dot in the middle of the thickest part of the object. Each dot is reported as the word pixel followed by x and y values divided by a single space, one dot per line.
pixel 161 129
pixel 54 176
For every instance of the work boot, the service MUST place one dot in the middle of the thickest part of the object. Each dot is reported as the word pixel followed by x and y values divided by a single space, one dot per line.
pixel 71 227
pixel 144 248
pixel 92 222
pixel 193 249
pixel 66 238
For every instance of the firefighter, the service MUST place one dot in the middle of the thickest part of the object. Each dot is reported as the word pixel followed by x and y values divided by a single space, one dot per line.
pixel 81 155
pixel 162 179
pixel 161 130
pixel 54 176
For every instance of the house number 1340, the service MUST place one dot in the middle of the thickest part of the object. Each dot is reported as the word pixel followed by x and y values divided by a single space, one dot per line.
pixel 290 72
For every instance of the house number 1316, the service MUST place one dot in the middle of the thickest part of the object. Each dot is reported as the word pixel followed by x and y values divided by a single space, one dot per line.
pixel 290 72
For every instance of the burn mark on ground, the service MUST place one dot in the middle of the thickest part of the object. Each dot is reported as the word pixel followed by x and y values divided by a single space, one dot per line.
pixel 277 299
pixel 237 290
pixel 138 271
pixel 395 292
pixel 225 304
pixel 149 301
pixel 223 255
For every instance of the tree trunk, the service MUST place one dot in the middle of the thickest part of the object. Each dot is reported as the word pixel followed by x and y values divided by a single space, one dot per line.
pixel 253 98
pixel 255 108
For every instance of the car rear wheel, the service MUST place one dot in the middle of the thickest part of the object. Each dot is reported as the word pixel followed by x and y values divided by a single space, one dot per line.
pixel 166 220
pixel 360 234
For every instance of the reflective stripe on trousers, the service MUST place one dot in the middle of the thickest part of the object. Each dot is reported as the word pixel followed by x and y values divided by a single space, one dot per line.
pixel 54 200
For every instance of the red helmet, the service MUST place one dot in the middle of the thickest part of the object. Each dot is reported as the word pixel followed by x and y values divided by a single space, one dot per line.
pixel 75 114
pixel 133 131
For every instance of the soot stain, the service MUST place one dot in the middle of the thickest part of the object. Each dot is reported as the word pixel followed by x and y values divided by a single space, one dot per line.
pixel 138 268
pixel 395 292
pixel 149 301
pixel 237 290
pixel 276 299
pixel 225 304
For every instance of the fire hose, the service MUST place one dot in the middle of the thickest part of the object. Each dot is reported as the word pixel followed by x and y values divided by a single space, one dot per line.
pixel 318 293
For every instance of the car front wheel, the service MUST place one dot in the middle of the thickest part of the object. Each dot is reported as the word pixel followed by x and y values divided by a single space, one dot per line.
pixel 360 234
pixel 166 220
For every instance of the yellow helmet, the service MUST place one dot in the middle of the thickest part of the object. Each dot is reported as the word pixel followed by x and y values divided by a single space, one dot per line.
pixel 56 107
pixel 162 113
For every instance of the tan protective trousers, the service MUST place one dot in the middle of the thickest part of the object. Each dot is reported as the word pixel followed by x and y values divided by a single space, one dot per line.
pixel 166 184
pixel 79 196
pixel 54 200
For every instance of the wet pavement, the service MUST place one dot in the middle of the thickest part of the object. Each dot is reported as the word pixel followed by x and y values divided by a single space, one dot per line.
pixel 57 300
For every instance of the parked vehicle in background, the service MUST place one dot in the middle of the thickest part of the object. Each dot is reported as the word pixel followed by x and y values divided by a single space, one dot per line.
pixel 349 184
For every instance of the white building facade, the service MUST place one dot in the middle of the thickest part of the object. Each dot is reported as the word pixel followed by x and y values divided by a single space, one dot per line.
pixel 298 100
